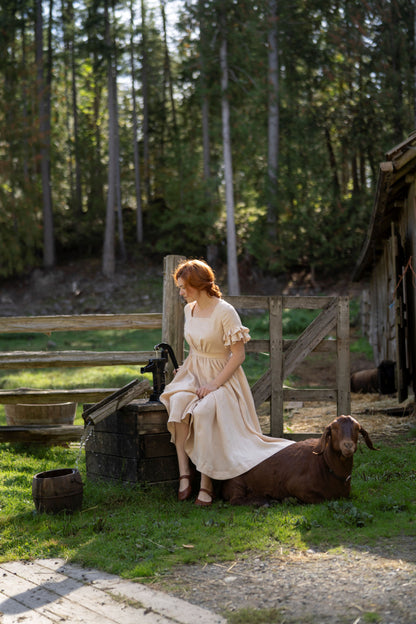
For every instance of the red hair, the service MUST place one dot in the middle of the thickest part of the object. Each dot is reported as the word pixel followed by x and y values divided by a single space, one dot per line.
pixel 198 274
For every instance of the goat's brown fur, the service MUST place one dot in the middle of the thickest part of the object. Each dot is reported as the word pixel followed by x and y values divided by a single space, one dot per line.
pixel 311 471
pixel 365 381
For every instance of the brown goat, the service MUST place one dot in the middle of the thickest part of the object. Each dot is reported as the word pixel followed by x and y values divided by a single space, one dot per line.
pixel 365 381
pixel 381 379
pixel 311 470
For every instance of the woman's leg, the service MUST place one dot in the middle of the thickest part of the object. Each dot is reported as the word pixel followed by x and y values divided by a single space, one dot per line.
pixel 181 433
pixel 206 492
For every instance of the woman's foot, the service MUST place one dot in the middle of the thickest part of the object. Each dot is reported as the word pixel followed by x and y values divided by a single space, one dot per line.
pixel 205 498
pixel 186 490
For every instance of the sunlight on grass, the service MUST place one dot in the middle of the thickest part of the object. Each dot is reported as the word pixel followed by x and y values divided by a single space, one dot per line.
pixel 88 377
pixel 140 531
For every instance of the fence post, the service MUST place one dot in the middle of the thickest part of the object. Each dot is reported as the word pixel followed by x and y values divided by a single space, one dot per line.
pixel 172 314
pixel 343 357
pixel 276 366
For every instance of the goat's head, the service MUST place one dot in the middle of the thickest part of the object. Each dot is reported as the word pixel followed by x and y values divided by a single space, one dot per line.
pixel 343 435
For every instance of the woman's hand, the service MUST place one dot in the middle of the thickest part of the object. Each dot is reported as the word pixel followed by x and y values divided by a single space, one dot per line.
pixel 206 389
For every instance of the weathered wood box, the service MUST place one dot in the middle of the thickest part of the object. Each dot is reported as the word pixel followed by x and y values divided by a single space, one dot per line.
pixel 132 445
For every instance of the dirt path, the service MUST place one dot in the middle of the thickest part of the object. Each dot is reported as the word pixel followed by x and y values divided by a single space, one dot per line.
pixel 347 586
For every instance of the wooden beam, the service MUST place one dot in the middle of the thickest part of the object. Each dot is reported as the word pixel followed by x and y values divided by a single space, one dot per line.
pixel 80 322
pixel 31 395
pixel 306 303
pixel 343 358
pixel 297 437
pixel 276 366
pixel 53 434
pixel 310 338
pixel 248 302
pixel 263 346
pixel 173 316
pixel 116 401
pixel 48 359
pixel 310 394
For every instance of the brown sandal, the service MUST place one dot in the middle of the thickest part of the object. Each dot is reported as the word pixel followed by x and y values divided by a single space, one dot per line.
pixel 185 494
pixel 201 503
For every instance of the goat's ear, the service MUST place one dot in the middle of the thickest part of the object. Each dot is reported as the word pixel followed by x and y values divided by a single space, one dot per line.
pixel 367 438
pixel 319 449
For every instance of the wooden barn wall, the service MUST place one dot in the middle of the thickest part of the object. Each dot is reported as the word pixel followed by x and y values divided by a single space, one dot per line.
pixel 408 236
pixel 377 301
pixel 380 329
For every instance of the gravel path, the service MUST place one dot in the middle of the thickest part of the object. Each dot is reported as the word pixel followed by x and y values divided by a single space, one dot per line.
pixel 347 586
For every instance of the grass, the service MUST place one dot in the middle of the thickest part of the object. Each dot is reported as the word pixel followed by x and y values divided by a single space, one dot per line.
pixel 141 531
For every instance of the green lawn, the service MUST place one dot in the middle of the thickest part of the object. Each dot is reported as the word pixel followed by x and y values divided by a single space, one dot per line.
pixel 140 531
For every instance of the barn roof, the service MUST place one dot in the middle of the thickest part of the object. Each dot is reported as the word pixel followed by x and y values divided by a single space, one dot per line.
pixel 395 176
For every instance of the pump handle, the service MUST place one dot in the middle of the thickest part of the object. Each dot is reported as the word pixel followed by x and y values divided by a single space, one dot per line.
pixel 166 348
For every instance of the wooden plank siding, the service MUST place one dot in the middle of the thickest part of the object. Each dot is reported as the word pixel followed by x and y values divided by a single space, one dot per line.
pixel 386 267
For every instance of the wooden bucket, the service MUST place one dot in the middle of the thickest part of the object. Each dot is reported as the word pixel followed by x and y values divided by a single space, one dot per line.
pixel 22 414
pixel 57 490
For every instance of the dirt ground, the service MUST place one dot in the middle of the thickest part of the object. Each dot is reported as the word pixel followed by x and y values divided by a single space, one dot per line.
pixel 347 585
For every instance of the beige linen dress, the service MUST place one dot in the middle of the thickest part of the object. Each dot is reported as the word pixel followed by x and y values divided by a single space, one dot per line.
pixel 225 439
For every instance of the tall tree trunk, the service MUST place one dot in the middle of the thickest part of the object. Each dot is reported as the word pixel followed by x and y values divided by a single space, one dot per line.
pixel 117 148
pixel 332 163
pixel 70 62
pixel 25 90
pixel 109 262
pixel 212 248
pixel 232 266
pixel 145 94
pixel 273 119
pixel 396 76
pixel 78 187
pixel 414 63
pixel 136 155
pixel 169 82
pixel 44 87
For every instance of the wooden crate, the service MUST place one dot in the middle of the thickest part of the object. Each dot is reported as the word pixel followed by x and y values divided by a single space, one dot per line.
pixel 132 445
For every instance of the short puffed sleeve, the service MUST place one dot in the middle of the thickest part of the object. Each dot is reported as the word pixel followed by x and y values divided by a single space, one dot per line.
pixel 233 329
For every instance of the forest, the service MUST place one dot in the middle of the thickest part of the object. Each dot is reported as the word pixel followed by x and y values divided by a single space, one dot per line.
pixel 247 132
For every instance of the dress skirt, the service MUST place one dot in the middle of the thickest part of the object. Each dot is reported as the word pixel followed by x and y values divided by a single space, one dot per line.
pixel 225 438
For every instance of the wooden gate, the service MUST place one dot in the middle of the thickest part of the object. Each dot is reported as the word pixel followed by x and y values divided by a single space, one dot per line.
pixel 286 355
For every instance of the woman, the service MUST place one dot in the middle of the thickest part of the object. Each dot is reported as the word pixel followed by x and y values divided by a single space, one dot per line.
pixel 212 417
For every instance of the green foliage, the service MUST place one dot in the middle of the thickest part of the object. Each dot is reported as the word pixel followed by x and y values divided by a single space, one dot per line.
pixel 341 106
pixel 256 616
pixel 348 514
pixel 361 345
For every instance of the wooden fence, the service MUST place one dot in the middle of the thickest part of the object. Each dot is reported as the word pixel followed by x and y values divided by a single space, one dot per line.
pixel 285 355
